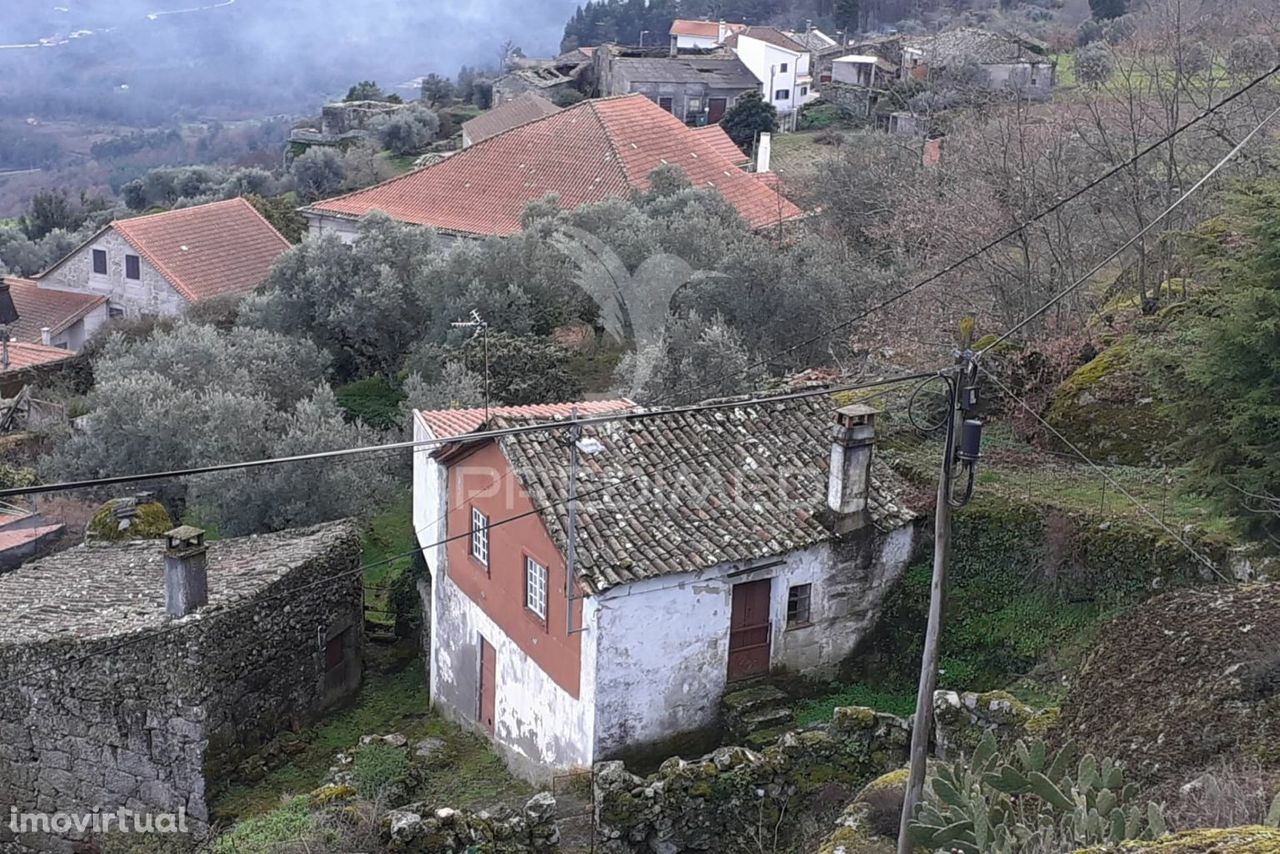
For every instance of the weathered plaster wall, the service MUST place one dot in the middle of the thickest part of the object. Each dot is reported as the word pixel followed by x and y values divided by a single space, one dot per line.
pixel 664 642
pixel 538 726
pixel 150 295
pixel 142 720
pixel 346 229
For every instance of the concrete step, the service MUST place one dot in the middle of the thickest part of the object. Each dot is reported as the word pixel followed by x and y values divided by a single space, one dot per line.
pixel 742 701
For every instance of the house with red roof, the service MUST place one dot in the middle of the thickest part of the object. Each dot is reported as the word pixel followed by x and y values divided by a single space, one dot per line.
pixel 782 65
pixel 23 364
pixel 706 548
pixel 691 35
pixel 589 152
pixel 158 264
pixel 63 319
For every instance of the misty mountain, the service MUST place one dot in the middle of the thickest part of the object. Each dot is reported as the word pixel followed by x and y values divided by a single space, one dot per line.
pixel 153 61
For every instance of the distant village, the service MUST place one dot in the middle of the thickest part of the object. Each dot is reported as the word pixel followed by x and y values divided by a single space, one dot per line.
pixel 605 589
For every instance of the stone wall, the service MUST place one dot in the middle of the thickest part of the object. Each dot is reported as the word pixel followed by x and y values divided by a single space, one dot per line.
pixel 417 829
pixel 734 799
pixel 140 720
pixel 149 295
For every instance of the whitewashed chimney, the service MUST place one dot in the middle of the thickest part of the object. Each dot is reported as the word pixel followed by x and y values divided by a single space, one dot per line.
pixel 764 151
pixel 723 32
pixel 853 440
pixel 46 336
pixel 186 571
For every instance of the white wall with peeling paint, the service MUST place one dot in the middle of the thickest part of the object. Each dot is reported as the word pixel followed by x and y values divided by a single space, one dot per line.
pixel 538 727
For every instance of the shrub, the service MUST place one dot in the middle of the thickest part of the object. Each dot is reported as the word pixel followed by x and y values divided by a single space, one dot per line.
pixel 379 769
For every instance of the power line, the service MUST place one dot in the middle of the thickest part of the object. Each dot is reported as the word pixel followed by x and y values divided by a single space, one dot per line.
pixel 360 570
pixel 733 403
pixel 1063 294
pixel 991 244
pixel 1107 476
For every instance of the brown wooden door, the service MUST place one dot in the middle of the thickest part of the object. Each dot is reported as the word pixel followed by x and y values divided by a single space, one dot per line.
pixel 749 630
pixel 488 683
pixel 715 109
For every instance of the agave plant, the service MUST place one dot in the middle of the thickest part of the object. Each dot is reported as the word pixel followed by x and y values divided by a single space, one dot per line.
pixel 1031 800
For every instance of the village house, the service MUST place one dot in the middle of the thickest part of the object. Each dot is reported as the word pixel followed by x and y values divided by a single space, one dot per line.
pixel 548 78
pixel 517 111
pixel 822 50
pixel 341 123
pixel 1008 62
pixel 158 264
pixel 781 64
pixel 138 673
pixel 709 548
pixel 23 364
pixel 698 90
pixel 700 35
pixel 592 151
pixel 63 319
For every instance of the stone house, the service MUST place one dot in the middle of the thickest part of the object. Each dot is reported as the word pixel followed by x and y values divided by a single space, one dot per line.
pixel 158 264
pixel 710 547
pixel 137 673
pixel 1008 62
pixel 698 90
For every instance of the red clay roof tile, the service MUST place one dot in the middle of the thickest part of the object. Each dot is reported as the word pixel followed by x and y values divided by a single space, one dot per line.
pixel 447 423
pixel 585 153
pixel 23 355
pixel 209 250
pixel 39 308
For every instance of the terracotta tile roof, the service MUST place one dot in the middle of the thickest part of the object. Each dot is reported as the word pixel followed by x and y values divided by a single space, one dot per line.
pixel 716 486
pixel 208 250
pixel 23 355
pixel 771 35
pixel 503 117
pixel 45 307
pixel 715 135
pixel 586 153
pixel 14 538
pixel 701 29
pixel 446 423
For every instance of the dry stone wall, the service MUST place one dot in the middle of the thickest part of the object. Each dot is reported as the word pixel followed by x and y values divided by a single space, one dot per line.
pixel 140 720
pixel 735 798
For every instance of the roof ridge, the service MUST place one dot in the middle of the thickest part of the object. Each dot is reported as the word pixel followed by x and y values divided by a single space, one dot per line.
pixel 613 142
pixel 175 281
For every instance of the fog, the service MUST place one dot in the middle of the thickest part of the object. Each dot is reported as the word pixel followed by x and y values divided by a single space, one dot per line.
pixel 148 61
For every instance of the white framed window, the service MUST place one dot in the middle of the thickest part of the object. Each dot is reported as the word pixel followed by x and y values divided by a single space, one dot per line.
pixel 535 587
pixel 480 536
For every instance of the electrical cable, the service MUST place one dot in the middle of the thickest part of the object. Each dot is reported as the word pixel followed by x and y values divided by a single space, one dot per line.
pixel 638 415
pixel 991 244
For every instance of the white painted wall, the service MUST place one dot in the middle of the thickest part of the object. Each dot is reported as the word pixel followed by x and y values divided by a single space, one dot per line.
pixel 538 727
pixel 685 42
pixel 317 223
pixel 664 642
pixel 765 61
pixel 430 497
pixel 149 295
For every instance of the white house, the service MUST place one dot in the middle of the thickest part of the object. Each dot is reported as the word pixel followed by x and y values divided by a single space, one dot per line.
pixel 690 35
pixel 782 65
pixel 157 265
pixel 708 547
pixel 54 318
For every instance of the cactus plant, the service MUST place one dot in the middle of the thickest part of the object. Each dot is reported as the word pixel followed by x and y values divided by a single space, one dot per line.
pixel 1030 800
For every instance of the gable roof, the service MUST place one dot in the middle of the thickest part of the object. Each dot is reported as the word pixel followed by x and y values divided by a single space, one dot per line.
pixel 720 72
pixel 984 46
pixel 447 423
pixel 207 251
pixel 701 29
pixel 714 487
pixel 586 153
pixel 24 355
pixel 813 39
pixel 517 111
pixel 715 135
pixel 40 308
pixel 770 35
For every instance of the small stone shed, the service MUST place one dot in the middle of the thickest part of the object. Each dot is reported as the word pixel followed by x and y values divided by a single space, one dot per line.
pixel 109 702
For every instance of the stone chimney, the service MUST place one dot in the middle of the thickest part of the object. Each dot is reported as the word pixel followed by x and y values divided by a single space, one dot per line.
pixel 46 336
pixel 723 32
pixel 853 440
pixel 186 571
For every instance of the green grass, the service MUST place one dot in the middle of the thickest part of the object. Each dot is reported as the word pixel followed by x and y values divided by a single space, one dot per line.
pixel 1015 471
pixel 402 163
pixel 387 539
pixel 387 702
pixel 265 833
pixel 819 709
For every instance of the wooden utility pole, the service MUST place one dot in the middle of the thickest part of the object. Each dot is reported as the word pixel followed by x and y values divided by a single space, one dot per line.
pixel 923 724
